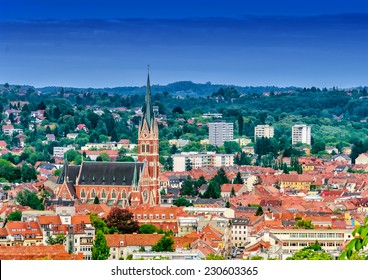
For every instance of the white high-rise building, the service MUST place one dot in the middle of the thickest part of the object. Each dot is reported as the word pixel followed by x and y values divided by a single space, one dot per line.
pixel 263 131
pixel 198 160
pixel 301 133
pixel 219 132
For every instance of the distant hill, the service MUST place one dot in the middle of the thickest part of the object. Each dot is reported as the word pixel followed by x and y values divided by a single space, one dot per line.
pixel 183 88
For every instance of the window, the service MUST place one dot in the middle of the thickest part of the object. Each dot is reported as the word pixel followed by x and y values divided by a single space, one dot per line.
pixel 93 193
pixel 103 194
pixel 151 216
pixel 157 216
pixel 83 193
pixel 147 148
pixel 171 216
pixel 113 194
pixel 163 216
pixel 138 216
pixel 143 148
pixel 123 194
pixel 145 216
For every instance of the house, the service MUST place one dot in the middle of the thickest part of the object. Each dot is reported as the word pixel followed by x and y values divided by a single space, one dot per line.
pixel 72 136
pixel 342 158
pixel 2 145
pixel 24 233
pixel 296 181
pixel 362 159
pixel 226 189
pixel 123 245
pixel 81 127
pixel 50 137
pixel 8 130
pixel 331 149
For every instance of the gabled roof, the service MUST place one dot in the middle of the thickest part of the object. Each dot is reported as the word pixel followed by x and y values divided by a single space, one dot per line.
pixel 124 240
pixel 47 220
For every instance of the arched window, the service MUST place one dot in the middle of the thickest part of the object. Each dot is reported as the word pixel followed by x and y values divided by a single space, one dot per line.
pixel 123 194
pixel 93 193
pixel 143 148
pixel 83 193
pixel 147 148
pixel 113 194
pixel 103 194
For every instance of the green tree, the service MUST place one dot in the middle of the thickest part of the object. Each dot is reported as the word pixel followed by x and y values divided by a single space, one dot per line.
pixel 100 250
pixel 188 165
pixel 28 173
pixel 125 159
pixel 14 216
pixel 359 241
pixel 98 223
pixel 96 200
pixel 187 187
pixel 238 179
pixel 232 193
pixel 310 254
pixel 306 224
pixel 213 190
pixel 28 198
pixel 103 157
pixel 165 244
pixel 147 229
pixel 214 257
pixel 59 239
pixel 232 147
pixel 181 201
pixel 240 125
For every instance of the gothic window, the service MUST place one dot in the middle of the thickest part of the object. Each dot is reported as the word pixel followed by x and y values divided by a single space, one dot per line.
pixel 113 194
pixel 103 194
pixel 143 148
pixel 83 193
pixel 147 148
pixel 93 193
pixel 123 194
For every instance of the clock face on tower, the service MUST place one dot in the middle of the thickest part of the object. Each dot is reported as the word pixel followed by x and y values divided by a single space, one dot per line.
pixel 145 196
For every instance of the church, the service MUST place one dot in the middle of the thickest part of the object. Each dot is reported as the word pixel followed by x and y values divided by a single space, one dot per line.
pixel 125 184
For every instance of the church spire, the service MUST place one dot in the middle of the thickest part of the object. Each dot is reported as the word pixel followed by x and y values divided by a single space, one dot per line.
pixel 148 110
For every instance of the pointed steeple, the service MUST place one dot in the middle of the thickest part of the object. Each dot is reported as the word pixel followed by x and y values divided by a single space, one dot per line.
pixel 135 177
pixel 148 109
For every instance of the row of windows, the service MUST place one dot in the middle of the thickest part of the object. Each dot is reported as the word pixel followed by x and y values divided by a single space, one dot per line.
pixel 316 235
pixel 103 195
pixel 240 232
pixel 157 216
pixel 240 238
pixel 305 244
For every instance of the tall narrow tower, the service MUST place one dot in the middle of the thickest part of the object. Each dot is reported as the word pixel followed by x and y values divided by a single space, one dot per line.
pixel 148 152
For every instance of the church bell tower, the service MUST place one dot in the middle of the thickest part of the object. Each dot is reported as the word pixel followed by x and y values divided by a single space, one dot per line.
pixel 148 152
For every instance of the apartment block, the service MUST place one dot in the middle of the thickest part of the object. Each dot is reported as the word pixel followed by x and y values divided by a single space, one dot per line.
pixel 219 132
pixel 301 133
pixel 198 160
pixel 263 131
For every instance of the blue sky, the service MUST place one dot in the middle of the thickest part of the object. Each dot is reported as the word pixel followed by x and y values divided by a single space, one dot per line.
pixel 109 43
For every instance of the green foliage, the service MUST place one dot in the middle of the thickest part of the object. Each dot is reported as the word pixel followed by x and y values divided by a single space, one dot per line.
pixel 306 224
pixel 187 187
pixel 359 241
pixel 59 239
pixel 147 229
pixel 14 216
pixel 8 171
pixel 213 190
pixel 103 157
pixel 181 201
pixel 122 220
pixel 100 250
pixel 96 200
pixel 214 257
pixel 232 147
pixel 28 198
pixel 125 159
pixel 98 223
pixel 256 258
pixel 310 254
pixel 165 244
pixel 238 179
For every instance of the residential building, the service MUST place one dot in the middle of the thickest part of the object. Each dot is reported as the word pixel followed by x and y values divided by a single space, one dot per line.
pixel 198 160
pixel 219 132
pixel 302 134
pixel 226 189
pixel 362 159
pixel 100 146
pixel 266 131
pixel 239 232
pixel 60 151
